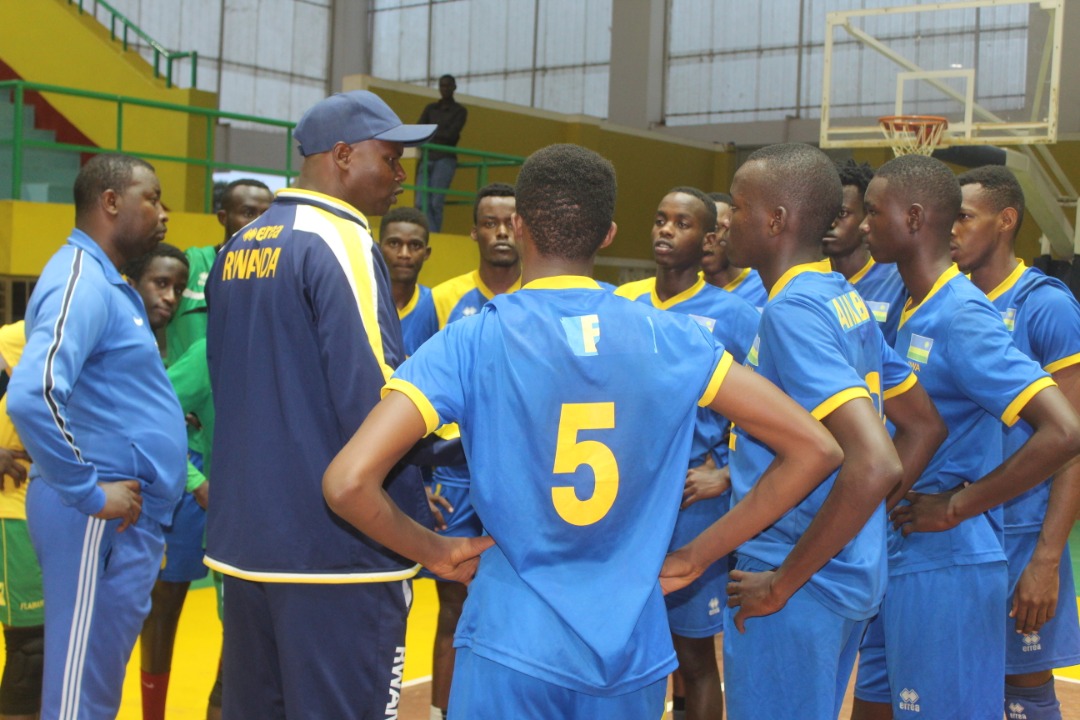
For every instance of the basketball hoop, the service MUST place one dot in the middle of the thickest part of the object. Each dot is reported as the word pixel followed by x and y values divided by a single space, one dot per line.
pixel 913 134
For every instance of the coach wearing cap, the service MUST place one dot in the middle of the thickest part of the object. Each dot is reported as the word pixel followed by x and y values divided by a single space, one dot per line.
pixel 302 334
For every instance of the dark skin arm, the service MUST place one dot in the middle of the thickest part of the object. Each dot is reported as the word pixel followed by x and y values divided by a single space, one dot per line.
pixel 919 433
pixel 805 455
pixel 353 488
pixel 871 468
pixel 1056 441
pixel 11 468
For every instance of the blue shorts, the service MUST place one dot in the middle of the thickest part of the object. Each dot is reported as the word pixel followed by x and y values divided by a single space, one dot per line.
pixel 697 610
pixel 313 650
pixel 792 664
pixel 185 543
pixel 463 522
pixel 486 690
pixel 943 644
pixel 872 680
pixel 1057 644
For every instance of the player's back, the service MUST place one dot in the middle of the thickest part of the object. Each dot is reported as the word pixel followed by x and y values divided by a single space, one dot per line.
pixel 577 410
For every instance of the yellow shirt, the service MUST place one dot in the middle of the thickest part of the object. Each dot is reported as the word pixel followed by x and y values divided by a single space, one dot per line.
pixel 12 499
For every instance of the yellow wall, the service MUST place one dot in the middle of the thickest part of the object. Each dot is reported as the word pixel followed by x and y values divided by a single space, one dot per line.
pixel 647 164
pixel 47 41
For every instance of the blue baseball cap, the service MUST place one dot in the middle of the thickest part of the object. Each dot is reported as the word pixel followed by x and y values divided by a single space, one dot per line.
pixel 353 117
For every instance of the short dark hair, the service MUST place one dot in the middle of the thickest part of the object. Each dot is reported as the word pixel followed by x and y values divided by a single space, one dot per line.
pixel 448 77
pixel 804 180
pixel 707 203
pixel 926 181
pixel 490 190
pixel 721 197
pixel 134 269
pixel 109 171
pixel 566 197
pixel 404 214
pixel 226 193
pixel 1000 187
pixel 855 174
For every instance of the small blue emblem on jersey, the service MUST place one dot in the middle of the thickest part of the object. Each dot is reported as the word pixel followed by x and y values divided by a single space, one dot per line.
pixel 752 356
pixel 850 310
pixel 880 310
pixel 1009 316
pixel 919 349
pixel 706 322
pixel 582 333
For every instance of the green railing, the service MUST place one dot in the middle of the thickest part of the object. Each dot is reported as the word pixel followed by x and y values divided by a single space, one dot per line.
pixel 19 142
pixel 482 163
pixel 159 50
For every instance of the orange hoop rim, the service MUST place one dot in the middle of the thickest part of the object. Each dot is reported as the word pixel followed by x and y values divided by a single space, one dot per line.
pixel 909 123
pixel 913 134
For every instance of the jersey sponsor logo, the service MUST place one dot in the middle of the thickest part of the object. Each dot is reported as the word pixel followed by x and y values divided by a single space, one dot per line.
pixel 706 322
pixel 32 605
pixel 850 310
pixel 909 700
pixel 246 263
pixel 1032 642
pixel 1016 711
pixel 752 356
pixel 268 232
pixel 1009 317
pixel 919 348
pixel 395 683
pixel 471 310
pixel 582 333
pixel 880 310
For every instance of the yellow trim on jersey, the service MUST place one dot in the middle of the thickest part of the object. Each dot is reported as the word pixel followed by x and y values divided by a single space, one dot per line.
pixel 716 380
pixel 676 299
pixel 821 266
pixel 359 257
pixel 1062 363
pixel 908 383
pixel 737 280
pixel 1012 413
pixel 402 313
pixel 446 295
pixel 562 282
pixel 910 309
pixel 636 288
pixel 427 410
pixel 826 408
pixel 326 200
pixel 1008 282
pixel 310 578
pixel 862 273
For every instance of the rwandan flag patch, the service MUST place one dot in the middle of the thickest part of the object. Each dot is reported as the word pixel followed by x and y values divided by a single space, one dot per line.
pixel 919 349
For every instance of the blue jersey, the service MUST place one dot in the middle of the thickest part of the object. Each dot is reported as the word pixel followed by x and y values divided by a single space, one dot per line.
pixel 90 397
pixel 747 285
pixel 577 414
pixel 956 343
pixel 1044 319
pixel 418 320
pixel 818 343
pixel 457 298
pixel 302 335
pixel 731 321
pixel 883 291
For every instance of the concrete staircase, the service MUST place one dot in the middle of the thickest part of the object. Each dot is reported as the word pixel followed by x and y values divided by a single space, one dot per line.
pixel 47 175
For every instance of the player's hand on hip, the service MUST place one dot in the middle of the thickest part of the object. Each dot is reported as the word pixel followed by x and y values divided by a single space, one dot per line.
pixel 461 558
pixel 11 468
pixel 437 503
pixel 753 593
pixel 123 499
pixel 704 482
pixel 925 512
pixel 677 571
pixel 1035 600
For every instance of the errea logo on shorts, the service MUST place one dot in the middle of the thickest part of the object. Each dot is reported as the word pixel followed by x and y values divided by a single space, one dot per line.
pixel 1032 642
pixel 714 606
pixel 909 700
pixel 1016 711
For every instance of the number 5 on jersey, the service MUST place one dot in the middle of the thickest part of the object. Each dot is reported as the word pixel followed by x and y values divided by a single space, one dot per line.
pixel 570 454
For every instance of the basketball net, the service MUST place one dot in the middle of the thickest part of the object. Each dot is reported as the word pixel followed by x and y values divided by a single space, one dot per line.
pixel 913 134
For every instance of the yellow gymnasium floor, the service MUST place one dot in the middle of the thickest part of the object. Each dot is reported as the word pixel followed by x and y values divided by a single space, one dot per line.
pixel 198 646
